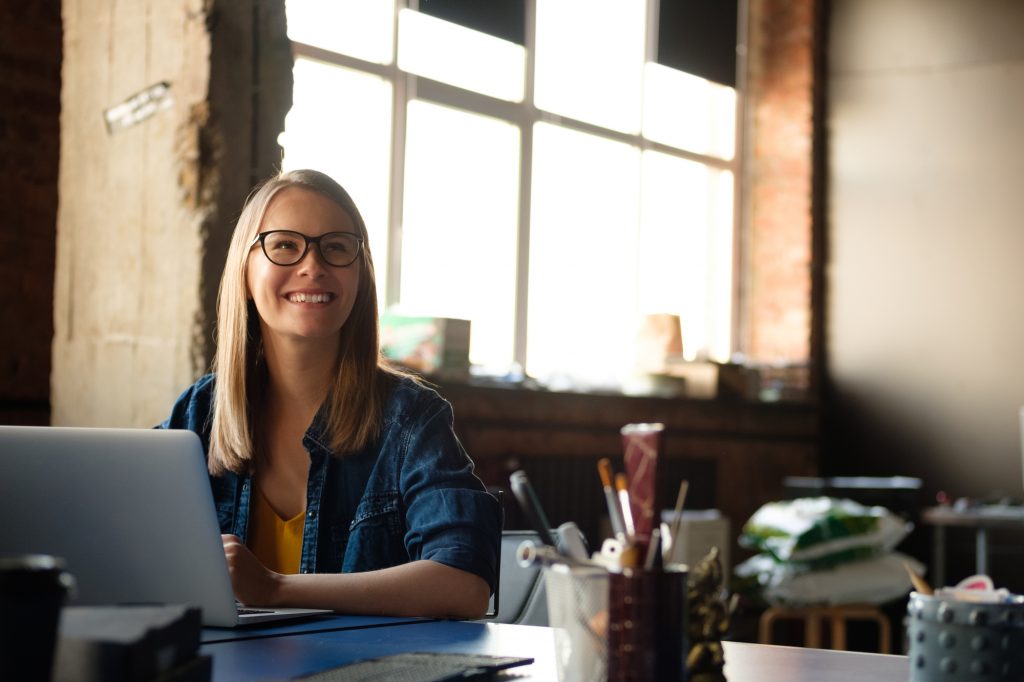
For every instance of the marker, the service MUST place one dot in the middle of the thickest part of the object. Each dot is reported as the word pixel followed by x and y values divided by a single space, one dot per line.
pixel 604 468
pixel 524 492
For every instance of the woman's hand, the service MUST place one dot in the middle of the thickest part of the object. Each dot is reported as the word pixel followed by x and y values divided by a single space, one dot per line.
pixel 253 583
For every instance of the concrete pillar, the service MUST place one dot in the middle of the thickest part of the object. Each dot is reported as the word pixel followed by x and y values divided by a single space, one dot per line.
pixel 149 192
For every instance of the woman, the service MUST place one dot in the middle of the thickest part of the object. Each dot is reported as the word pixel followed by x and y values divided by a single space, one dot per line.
pixel 338 481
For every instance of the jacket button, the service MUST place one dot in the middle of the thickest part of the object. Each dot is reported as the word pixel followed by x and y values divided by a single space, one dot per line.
pixel 311 513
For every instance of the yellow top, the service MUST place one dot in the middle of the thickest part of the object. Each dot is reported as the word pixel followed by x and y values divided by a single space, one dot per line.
pixel 277 543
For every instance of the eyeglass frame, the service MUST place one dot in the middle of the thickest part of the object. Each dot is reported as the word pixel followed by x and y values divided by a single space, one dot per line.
pixel 307 240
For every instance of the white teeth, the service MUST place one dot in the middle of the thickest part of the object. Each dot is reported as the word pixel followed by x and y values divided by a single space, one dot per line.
pixel 309 298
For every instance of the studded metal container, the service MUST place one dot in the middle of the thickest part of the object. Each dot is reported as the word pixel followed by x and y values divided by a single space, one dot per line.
pixel 953 640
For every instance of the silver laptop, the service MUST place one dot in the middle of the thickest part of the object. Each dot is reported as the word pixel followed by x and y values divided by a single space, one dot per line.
pixel 129 510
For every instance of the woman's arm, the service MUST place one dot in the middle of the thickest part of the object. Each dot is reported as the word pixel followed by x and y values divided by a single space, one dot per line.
pixel 419 588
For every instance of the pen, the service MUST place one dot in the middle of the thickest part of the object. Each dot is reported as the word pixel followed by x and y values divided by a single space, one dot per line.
pixel 604 468
pixel 524 492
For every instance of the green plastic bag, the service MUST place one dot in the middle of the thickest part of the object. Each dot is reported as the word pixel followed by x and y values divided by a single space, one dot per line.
pixel 819 532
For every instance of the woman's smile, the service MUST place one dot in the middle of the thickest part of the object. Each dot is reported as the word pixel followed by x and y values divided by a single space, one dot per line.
pixel 313 297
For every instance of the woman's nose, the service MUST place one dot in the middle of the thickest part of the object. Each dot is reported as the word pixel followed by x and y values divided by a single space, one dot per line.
pixel 313 263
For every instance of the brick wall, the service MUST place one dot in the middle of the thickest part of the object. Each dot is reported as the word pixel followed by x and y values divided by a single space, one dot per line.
pixel 30 61
pixel 779 258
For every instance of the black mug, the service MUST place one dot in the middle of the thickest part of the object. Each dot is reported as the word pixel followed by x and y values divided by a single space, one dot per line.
pixel 33 588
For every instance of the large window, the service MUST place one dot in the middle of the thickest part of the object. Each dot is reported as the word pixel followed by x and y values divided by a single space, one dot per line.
pixel 552 188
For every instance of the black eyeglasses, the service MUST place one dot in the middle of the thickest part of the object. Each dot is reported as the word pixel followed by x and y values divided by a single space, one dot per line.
pixel 284 247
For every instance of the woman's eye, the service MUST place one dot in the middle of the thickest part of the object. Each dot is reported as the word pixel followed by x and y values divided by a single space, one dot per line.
pixel 284 246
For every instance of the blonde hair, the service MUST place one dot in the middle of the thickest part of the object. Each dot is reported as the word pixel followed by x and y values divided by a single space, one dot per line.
pixel 356 398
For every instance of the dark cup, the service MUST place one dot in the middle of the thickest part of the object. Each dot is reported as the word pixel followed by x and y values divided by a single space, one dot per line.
pixel 647 625
pixel 32 590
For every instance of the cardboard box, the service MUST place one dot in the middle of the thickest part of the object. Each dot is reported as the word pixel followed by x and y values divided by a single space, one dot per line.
pixel 431 345
pixel 699 531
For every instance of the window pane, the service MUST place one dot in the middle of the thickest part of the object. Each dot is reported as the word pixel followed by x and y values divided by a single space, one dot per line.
pixel 454 54
pixel 360 28
pixel 686 250
pixel 699 38
pixel 721 295
pixel 504 19
pixel 460 221
pixel 689 112
pixel 583 249
pixel 590 58
pixel 350 143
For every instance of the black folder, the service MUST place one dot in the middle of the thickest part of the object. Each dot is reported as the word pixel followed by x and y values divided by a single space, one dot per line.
pixel 130 644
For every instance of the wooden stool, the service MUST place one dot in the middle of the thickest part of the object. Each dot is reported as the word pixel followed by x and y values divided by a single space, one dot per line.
pixel 837 617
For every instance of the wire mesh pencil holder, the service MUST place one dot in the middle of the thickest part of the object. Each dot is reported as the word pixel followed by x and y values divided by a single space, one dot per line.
pixel 578 611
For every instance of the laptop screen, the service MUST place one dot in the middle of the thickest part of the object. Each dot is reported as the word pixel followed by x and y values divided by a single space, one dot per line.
pixel 129 510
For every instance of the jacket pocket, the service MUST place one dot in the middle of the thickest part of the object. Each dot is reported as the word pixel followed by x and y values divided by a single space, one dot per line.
pixel 376 534
pixel 379 510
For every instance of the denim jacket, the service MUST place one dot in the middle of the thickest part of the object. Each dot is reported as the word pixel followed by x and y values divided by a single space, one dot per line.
pixel 409 495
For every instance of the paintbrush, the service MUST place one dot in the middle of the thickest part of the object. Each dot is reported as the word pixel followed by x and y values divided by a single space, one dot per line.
pixel 604 468
pixel 677 517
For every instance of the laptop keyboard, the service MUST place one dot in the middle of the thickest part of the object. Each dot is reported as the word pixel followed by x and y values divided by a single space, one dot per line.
pixel 248 612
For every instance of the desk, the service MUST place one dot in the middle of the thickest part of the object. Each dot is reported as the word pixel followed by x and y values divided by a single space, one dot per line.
pixel 768 663
pixel 287 656
pixel 290 655
pixel 978 518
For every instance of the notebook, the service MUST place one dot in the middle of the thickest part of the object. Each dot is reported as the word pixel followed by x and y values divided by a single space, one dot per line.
pixel 129 510
pixel 421 667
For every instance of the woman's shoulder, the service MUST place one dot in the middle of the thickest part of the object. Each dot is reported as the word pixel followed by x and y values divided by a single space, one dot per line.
pixel 408 393
pixel 192 408
pixel 205 382
pixel 201 388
